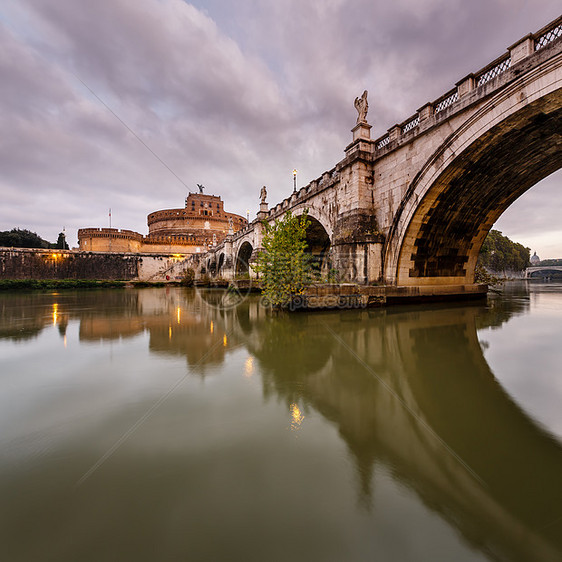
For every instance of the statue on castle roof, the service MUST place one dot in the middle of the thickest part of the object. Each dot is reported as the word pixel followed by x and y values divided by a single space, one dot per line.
pixel 263 194
pixel 362 107
pixel 201 187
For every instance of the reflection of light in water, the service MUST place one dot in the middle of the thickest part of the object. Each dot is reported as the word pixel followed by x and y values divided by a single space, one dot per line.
pixel 224 340
pixel 296 417
pixel 64 340
pixel 179 314
pixel 55 313
pixel 249 366
pixel 170 333
pixel 212 327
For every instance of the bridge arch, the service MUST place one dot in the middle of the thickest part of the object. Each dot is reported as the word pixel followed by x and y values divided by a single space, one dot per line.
pixel 319 215
pixel 507 145
pixel 318 236
pixel 318 245
pixel 243 257
pixel 220 263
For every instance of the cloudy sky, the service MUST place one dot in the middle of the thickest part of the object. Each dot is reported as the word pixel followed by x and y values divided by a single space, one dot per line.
pixel 128 104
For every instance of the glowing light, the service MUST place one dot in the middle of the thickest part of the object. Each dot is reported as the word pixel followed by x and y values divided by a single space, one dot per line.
pixel 55 313
pixel 178 313
pixel 297 417
pixel 212 328
pixel 170 333
pixel 249 367
pixel 224 340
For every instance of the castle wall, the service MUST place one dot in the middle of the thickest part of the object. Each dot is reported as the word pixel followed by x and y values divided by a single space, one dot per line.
pixel 201 212
pixel 109 240
pixel 202 224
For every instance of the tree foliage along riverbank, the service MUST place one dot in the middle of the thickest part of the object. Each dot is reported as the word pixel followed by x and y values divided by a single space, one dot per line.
pixel 22 238
pixel 283 264
pixel 499 253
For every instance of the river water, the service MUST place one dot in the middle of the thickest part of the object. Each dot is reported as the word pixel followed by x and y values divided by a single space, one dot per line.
pixel 176 424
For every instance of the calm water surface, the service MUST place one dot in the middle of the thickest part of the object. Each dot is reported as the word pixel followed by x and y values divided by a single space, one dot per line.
pixel 160 424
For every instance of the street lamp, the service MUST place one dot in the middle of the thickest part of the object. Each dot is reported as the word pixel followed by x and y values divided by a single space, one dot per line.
pixel 294 181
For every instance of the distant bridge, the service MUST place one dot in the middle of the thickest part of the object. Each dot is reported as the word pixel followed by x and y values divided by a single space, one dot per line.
pixel 413 207
pixel 530 271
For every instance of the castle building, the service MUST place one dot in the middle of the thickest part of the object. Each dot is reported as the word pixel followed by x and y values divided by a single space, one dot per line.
pixel 201 224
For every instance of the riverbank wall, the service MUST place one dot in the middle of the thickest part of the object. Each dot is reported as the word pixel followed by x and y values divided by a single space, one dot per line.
pixel 31 263
pixel 352 296
pixel 42 264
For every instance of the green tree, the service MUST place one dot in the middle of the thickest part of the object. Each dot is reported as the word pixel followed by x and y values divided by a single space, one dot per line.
pixel 283 264
pixel 499 253
pixel 21 238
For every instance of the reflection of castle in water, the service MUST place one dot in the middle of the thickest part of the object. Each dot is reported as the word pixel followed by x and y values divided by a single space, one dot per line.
pixel 408 389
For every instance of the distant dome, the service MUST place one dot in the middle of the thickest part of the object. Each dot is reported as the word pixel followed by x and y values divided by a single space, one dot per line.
pixel 535 260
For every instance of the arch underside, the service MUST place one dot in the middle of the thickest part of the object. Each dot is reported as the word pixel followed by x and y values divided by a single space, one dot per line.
pixel 318 244
pixel 243 258
pixel 448 228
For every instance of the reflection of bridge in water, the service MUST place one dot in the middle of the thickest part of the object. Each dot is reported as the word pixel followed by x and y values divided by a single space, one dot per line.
pixel 447 431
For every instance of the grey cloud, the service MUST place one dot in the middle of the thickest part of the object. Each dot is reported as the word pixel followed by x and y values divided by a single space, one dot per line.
pixel 232 95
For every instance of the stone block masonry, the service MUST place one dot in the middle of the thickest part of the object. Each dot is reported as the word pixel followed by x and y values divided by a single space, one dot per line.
pixel 23 263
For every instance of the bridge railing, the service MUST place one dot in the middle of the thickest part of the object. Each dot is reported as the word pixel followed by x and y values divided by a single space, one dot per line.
pixel 517 52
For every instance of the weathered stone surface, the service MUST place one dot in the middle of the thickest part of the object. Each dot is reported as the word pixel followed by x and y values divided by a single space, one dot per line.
pixel 412 208
pixel 17 263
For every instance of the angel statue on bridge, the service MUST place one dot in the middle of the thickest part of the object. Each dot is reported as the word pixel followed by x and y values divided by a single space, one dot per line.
pixel 362 106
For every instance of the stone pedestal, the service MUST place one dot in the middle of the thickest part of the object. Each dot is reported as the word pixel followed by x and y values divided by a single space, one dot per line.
pixel 362 131
pixel 522 49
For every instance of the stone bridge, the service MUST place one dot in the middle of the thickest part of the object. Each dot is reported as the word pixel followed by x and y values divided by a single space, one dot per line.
pixel 531 271
pixel 413 207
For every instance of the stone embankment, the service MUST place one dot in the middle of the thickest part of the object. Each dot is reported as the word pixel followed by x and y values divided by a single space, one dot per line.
pixel 352 296
pixel 25 263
